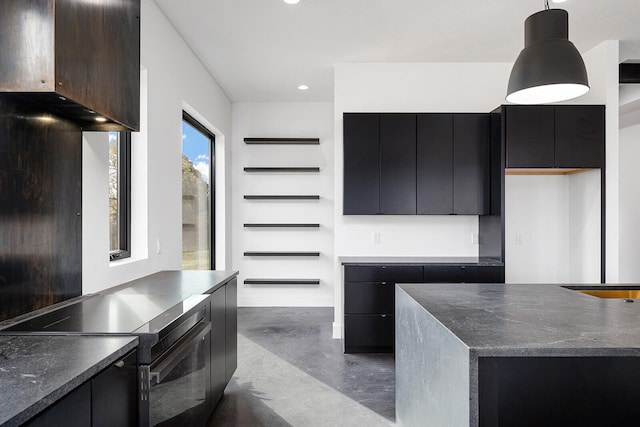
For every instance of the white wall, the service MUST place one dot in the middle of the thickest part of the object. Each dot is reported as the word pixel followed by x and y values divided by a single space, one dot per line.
pixel 173 80
pixel 552 228
pixel 630 204
pixel 283 120
pixel 407 88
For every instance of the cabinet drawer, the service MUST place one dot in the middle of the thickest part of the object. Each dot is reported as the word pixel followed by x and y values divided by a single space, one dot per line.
pixel 463 274
pixel 383 273
pixel 369 333
pixel 369 297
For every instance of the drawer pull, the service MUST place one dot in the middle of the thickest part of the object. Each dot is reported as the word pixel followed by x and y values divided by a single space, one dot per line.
pixel 383 283
pixel 383 315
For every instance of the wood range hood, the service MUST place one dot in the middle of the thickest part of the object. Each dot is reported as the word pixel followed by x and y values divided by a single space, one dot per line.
pixel 76 59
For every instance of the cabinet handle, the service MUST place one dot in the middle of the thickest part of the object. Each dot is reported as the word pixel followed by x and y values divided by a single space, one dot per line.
pixel 119 364
pixel 383 315
pixel 383 283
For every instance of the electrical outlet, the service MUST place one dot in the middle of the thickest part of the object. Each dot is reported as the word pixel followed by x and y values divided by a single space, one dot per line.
pixel 475 240
pixel 158 246
pixel 375 237
pixel 519 239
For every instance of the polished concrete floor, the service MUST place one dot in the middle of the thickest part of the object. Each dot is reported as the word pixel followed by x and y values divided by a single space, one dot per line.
pixel 292 373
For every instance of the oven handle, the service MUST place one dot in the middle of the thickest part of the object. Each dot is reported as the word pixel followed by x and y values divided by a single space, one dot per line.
pixel 161 368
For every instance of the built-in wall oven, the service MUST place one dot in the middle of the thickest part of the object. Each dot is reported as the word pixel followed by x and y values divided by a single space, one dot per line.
pixel 174 360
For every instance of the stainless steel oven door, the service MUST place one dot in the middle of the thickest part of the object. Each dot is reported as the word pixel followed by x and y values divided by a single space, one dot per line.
pixel 179 381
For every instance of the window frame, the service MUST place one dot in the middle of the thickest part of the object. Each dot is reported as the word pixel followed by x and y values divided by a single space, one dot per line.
pixel 189 119
pixel 124 198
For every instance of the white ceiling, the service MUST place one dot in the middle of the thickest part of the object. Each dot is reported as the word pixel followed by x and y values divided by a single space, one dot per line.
pixel 261 50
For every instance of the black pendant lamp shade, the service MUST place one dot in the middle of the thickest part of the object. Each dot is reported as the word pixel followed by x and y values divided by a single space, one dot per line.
pixel 549 68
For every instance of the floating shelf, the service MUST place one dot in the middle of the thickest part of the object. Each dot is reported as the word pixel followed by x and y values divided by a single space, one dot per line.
pixel 283 197
pixel 281 281
pixel 282 225
pixel 282 169
pixel 283 141
pixel 282 254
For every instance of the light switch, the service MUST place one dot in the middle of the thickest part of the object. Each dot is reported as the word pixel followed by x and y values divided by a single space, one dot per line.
pixel 375 237
pixel 519 239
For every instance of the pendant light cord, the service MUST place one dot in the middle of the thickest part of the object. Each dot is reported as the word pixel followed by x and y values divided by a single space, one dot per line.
pixel 546 4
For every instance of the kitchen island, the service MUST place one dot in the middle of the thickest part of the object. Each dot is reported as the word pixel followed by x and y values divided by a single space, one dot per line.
pixel 494 354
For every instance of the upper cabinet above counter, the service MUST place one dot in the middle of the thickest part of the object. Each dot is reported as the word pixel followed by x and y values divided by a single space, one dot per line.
pixel 77 59
pixel 561 136
pixel 408 164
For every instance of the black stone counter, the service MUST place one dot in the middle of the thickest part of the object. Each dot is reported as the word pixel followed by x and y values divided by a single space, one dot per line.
pixel 36 371
pixel 419 260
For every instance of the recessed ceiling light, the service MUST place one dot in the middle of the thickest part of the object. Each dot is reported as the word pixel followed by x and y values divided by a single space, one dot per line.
pixel 100 119
pixel 292 1
pixel 303 87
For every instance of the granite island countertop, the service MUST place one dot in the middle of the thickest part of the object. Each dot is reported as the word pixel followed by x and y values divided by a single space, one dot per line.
pixel 531 320
pixel 36 371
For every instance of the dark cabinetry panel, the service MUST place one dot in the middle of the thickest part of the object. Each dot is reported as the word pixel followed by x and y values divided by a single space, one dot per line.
pixel 372 333
pixel 369 297
pixel 561 136
pixel 398 164
pixel 113 394
pixel 361 164
pixel 73 410
pixel 530 136
pixel 470 164
pixel 435 164
pixel 218 339
pixel 231 327
pixel 580 136
pixel 86 57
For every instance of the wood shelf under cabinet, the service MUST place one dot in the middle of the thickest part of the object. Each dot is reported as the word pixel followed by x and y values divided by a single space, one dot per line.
pixel 282 197
pixel 545 171
pixel 282 169
pixel 281 281
pixel 282 141
pixel 282 225
pixel 283 254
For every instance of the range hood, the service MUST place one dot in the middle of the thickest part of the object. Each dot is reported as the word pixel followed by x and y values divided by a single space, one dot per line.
pixel 76 58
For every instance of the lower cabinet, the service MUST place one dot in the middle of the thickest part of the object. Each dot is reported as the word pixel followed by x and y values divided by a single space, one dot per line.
pixel 369 297
pixel 108 399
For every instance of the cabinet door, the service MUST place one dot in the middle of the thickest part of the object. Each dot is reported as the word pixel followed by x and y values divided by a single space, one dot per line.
pixel 369 333
pixel 218 345
pixel 471 135
pixel 73 410
pixel 369 297
pixel 435 164
pixel 530 136
pixel 361 164
pixel 580 136
pixel 398 164
pixel 383 273
pixel 114 396
pixel 231 327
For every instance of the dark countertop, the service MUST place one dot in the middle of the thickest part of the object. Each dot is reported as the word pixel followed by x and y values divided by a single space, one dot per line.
pixel 418 260
pixel 178 283
pixel 36 371
pixel 531 320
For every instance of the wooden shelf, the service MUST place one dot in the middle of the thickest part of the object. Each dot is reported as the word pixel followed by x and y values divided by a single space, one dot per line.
pixel 271 225
pixel 281 281
pixel 284 254
pixel 282 141
pixel 282 169
pixel 545 171
pixel 282 197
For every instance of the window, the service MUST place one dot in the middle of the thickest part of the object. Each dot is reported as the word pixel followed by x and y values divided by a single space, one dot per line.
pixel 197 196
pixel 119 195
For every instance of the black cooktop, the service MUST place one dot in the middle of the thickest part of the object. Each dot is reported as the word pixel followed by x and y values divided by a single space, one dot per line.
pixel 110 314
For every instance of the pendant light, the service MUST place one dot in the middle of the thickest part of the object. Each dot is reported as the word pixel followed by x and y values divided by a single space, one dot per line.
pixel 549 68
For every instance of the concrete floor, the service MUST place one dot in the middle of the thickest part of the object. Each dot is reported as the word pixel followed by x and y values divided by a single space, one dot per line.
pixel 292 373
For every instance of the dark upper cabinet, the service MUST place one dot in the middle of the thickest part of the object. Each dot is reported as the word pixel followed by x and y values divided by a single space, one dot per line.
pixel 398 164
pixel 580 136
pixel 453 164
pixel 78 59
pixel 471 135
pixel 435 164
pixel 561 136
pixel 529 134
pixel 361 164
